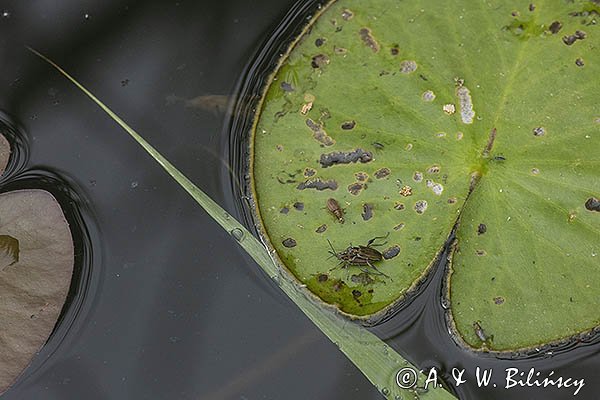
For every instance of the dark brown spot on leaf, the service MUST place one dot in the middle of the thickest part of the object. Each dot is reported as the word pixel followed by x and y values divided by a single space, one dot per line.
pixel 339 50
pixel 321 228
pixel 531 7
pixel 368 39
pixel 287 87
pixel 338 286
pixel 539 131
pixel 579 62
pixel 481 229
pixel 452 200
pixel 399 226
pixel 399 206
pixel 481 253
pixel 367 213
pixel 592 204
pixel 299 206
pixel 356 293
pixel 322 278
pixel 570 39
pixel 348 125
pixel 361 176
pixel 391 252
pixel 362 278
pixel 408 66
pixel 309 172
pixel 395 50
pixel 318 184
pixel 320 42
pixel 284 210
pixel 319 133
pixel 289 243
pixel 319 61
pixel 421 206
pixel 555 27
pixel 339 157
pixel 382 173
pixel 356 188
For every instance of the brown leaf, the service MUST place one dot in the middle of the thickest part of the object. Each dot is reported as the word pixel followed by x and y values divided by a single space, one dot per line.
pixel 37 265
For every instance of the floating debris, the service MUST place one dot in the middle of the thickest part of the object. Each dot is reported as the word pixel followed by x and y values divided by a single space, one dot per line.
pixel 299 206
pixel 579 62
pixel 322 278
pixel 339 157
pixel 418 176
pixel 498 300
pixel 481 229
pixel 399 206
pixel 399 227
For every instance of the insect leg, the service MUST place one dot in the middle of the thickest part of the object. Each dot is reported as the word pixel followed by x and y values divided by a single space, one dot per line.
pixel 371 242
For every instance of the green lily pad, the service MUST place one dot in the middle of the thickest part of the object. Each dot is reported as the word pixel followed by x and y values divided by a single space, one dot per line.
pixel 416 116
pixel 36 265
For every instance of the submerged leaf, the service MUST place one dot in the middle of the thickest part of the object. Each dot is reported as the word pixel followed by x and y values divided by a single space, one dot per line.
pixel 479 115
pixel 34 284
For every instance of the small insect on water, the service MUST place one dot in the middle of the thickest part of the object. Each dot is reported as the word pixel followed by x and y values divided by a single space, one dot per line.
pixel 360 256
pixel 334 207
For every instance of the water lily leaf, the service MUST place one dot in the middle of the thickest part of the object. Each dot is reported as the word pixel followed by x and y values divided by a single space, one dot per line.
pixel 415 116
pixel 35 273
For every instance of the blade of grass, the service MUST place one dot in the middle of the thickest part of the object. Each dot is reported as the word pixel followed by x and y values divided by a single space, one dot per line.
pixel 371 355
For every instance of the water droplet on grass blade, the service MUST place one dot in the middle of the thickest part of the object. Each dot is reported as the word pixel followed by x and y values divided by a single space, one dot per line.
pixel 238 234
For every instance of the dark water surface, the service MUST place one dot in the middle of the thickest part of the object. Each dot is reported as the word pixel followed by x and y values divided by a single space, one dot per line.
pixel 166 305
